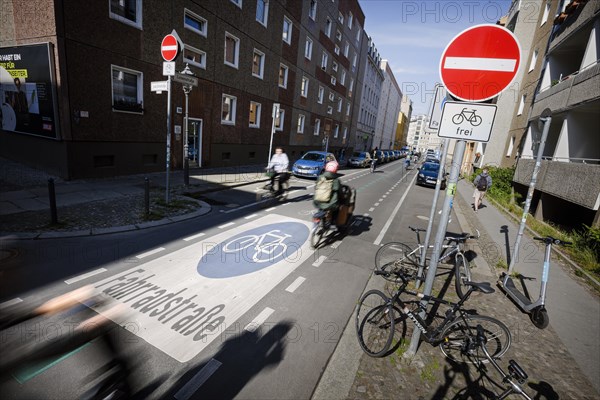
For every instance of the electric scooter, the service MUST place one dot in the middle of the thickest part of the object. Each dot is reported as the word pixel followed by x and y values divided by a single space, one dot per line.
pixel 536 309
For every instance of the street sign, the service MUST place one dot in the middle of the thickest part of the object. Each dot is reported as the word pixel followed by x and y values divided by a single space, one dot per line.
pixel 159 86
pixel 480 62
pixel 169 48
pixel 185 79
pixel 467 121
pixel 169 68
pixel 437 104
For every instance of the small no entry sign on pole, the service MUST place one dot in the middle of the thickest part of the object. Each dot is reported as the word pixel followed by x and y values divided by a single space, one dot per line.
pixel 169 48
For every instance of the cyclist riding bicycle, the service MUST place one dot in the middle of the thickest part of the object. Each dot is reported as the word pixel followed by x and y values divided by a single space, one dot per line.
pixel 327 189
pixel 278 170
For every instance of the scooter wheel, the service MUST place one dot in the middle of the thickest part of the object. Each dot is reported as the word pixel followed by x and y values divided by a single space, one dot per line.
pixel 539 317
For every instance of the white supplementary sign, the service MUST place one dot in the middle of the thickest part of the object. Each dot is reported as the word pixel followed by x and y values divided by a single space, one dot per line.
pixel 159 86
pixel 185 79
pixel 467 121
pixel 169 68
pixel 182 301
pixel 436 109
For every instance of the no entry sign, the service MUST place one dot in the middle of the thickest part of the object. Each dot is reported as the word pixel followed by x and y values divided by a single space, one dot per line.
pixel 169 48
pixel 480 62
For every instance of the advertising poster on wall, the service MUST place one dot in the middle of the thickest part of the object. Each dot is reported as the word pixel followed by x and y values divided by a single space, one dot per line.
pixel 27 90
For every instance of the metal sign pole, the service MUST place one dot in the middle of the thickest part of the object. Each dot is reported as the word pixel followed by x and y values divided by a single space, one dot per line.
pixel 275 115
pixel 459 151
pixel 168 137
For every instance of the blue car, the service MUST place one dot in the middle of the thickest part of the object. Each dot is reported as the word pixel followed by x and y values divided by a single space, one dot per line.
pixel 312 164
pixel 428 174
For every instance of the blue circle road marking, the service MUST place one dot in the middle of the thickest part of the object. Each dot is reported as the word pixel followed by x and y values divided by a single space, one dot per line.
pixel 253 250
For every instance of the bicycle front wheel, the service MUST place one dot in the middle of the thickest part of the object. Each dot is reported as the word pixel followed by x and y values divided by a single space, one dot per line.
pixel 316 235
pixel 396 256
pixel 462 274
pixel 459 339
pixel 375 323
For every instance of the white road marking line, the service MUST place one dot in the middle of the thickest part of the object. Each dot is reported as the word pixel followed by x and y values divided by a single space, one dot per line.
pixel 85 276
pixel 319 261
pixel 198 380
pixel 259 320
pixel 365 215
pixel 380 200
pixel 9 303
pixel 482 64
pixel 270 209
pixel 299 281
pixel 187 239
pixel 376 204
pixel 250 216
pixel 371 209
pixel 335 245
pixel 226 225
pixel 391 218
pixel 385 195
pixel 149 253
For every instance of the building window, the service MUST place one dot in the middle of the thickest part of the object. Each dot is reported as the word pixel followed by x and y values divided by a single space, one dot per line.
pixel 346 49
pixel 329 110
pixel 328 27
pixel 343 77
pixel 351 86
pixel 533 61
pixel 341 18
pixel 345 133
pixel 354 63
pixel 522 104
pixel 336 131
pixel 237 3
pixel 262 11
pixel 228 107
pixel 331 97
pixel 195 23
pixel 546 13
pixel 127 93
pixel 338 35
pixel 308 48
pixel 334 66
pixel 358 32
pixel 333 80
pixel 348 109
pixel 340 103
pixel 510 147
pixel 321 93
pixel 287 30
pixel 283 76
pixel 324 59
pixel 336 50
pixel 279 120
pixel 317 127
pixel 232 50
pixel 194 56
pixel 312 11
pixel 300 127
pixel 258 63
pixel 254 121
pixel 350 20
pixel 304 87
pixel 127 11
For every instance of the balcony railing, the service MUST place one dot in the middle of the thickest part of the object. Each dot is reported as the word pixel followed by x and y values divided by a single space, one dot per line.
pixel 566 159
pixel 564 77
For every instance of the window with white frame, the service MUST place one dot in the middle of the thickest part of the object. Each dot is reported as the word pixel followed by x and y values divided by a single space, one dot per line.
pixel 522 104
pixel 228 108
pixel 194 56
pixel 334 66
pixel 350 19
pixel 258 63
pixel 194 22
pixel 279 120
pixel 324 59
pixel 346 49
pixel 321 93
pixel 348 109
pixel 336 50
pixel 328 25
pixel 237 3
pixel 283 75
pixel 546 13
pixel 262 11
pixel 333 80
pixel 345 133
pixel 300 126
pixel 351 86
pixel 127 93
pixel 358 32
pixel 338 35
pixel 510 147
pixel 329 110
pixel 331 96
pixel 127 11
pixel 317 127
pixel 304 87
pixel 312 11
pixel 336 131
pixel 254 120
pixel 308 48
pixel 232 50
pixel 343 77
pixel 533 61
pixel 341 18
pixel 287 30
pixel 339 105
pixel 354 59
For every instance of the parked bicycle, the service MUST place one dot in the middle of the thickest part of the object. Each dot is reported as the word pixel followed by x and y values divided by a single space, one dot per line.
pixel 400 256
pixel 377 315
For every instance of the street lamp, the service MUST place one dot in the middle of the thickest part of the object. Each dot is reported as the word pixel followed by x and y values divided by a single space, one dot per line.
pixel 186 166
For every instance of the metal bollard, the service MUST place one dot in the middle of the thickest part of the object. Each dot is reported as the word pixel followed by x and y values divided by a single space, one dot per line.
pixel 147 196
pixel 52 198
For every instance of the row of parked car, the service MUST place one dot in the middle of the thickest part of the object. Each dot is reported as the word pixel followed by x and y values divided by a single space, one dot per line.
pixel 362 159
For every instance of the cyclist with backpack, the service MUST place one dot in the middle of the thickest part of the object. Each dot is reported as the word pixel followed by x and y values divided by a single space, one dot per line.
pixel 327 189
pixel 482 183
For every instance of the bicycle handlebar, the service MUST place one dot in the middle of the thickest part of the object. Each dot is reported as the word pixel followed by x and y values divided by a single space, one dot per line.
pixel 550 240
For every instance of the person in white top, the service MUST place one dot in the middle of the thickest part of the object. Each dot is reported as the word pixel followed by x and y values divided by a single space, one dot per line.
pixel 279 164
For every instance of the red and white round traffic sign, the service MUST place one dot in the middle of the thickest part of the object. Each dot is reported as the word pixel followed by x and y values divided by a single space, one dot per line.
pixel 480 62
pixel 169 48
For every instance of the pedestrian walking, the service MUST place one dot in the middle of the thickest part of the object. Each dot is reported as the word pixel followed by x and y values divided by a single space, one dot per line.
pixel 482 183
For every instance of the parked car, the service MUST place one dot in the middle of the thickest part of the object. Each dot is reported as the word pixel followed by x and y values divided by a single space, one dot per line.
pixel 360 159
pixel 312 164
pixel 428 174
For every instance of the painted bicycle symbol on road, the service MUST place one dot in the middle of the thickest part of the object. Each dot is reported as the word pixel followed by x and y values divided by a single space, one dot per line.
pixel 468 115
pixel 266 247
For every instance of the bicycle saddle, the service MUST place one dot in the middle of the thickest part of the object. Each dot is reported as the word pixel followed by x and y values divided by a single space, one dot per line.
pixel 483 287
pixel 417 229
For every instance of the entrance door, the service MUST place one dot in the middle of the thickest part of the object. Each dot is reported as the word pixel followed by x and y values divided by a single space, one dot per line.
pixel 195 141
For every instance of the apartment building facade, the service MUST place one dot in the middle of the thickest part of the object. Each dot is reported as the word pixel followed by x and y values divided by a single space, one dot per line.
pixel 90 109
pixel 389 108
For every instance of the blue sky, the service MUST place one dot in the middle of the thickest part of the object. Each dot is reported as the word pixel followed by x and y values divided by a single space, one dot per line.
pixel 412 34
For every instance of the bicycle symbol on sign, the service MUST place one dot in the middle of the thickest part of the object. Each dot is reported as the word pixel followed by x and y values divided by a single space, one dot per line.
pixel 270 244
pixel 470 116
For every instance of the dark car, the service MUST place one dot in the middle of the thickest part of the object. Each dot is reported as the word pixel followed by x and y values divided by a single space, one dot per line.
pixel 360 159
pixel 428 174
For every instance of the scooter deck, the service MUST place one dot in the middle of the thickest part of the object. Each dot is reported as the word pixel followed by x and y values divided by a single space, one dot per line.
pixel 515 293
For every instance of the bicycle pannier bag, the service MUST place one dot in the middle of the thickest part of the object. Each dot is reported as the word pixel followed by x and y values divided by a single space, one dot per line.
pixel 342 216
pixel 323 190
pixel 482 184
